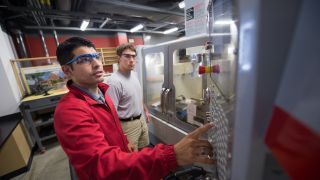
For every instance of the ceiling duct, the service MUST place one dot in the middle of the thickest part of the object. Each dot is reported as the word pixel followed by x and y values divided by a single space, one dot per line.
pixel 110 15
pixel 35 17
pixel 139 7
pixel 37 5
pixel 64 5
pixel 152 15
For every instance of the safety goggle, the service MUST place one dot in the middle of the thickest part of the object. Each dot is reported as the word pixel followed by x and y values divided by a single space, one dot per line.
pixel 128 56
pixel 85 58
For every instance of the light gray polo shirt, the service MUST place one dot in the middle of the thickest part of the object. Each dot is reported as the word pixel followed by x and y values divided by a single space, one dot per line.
pixel 126 94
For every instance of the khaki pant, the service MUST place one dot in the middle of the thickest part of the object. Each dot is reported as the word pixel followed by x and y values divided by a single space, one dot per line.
pixel 136 132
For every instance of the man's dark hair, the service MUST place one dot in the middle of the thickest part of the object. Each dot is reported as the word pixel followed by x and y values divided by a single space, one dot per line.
pixel 64 50
pixel 125 46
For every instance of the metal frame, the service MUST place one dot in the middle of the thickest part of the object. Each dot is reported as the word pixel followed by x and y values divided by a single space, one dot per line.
pixel 163 122
pixel 264 42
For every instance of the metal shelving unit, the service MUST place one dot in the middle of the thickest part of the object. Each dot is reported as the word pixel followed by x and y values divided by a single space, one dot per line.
pixel 49 122
pixel 34 104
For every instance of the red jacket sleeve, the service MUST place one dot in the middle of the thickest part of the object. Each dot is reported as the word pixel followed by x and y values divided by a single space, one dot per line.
pixel 94 158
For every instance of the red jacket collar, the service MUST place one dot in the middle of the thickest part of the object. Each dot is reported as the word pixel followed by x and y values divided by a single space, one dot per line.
pixel 102 86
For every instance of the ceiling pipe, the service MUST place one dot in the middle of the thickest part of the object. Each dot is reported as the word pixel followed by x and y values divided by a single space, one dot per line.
pixel 70 18
pixel 99 21
pixel 174 6
pixel 89 29
pixel 139 7
pixel 22 48
pixel 44 46
pixel 150 25
pixel 34 14
pixel 55 35
pixel 40 14
pixel 160 27
pixel 78 5
pixel 84 15
pixel 64 5
pixel 104 23
pixel 15 16
pixel 168 23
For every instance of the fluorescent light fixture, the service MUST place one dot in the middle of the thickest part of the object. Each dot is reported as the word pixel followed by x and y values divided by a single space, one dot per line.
pixel 170 30
pixel 223 22
pixel 182 4
pixel 245 67
pixel 84 24
pixel 137 28
pixel 230 50
pixel 148 37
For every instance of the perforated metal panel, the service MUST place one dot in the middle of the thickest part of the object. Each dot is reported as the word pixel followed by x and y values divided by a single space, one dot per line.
pixel 218 136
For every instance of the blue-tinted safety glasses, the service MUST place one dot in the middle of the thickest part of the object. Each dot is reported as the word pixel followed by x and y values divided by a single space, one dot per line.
pixel 128 56
pixel 85 58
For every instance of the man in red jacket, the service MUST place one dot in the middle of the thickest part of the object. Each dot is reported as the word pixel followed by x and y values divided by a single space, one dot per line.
pixel 89 131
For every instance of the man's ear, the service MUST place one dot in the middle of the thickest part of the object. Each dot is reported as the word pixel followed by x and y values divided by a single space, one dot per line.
pixel 67 70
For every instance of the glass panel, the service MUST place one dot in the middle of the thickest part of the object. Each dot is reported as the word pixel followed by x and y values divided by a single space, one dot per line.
pixel 187 82
pixel 154 80
pixel 194 84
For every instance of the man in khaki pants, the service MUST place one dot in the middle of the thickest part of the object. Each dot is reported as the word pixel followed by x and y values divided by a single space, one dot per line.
pixel 126 94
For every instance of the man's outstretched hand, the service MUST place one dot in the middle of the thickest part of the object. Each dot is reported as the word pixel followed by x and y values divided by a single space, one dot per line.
pixel 188 148
pixel 131 147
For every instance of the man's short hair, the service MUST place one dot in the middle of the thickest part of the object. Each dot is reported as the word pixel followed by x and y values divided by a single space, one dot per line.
pixel 64 50
pixel 125 46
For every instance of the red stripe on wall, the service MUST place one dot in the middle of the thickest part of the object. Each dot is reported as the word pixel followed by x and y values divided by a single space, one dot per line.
pixel 35 49
pixel 51 45
pixel 102 42
pixel 98 41
pixel 295 146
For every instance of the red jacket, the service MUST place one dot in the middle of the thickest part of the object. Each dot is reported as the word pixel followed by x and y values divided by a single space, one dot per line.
pixel 90 133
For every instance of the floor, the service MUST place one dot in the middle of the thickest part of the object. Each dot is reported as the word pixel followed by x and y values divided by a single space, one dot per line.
pixel 54 165
pixel 51 165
